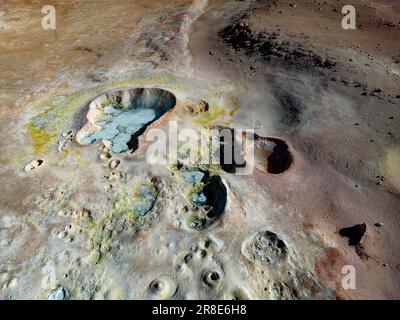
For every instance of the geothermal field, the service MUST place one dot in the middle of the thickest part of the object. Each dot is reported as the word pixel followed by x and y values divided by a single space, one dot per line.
pixel 205 149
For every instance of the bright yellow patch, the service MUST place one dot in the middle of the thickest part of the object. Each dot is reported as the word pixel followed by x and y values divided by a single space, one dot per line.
pixel 40 137
pixel 212 114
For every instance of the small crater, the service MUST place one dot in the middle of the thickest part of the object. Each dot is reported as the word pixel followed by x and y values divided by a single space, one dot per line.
pixel 272 155
pixel 33 165
pixel 211 278
pixel 162 288
pixel 188 257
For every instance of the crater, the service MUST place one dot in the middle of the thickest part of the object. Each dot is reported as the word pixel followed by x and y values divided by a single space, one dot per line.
pixel 162 288
pixel 211 278
pixel 216 195
pixel 272 155
pixel 119 117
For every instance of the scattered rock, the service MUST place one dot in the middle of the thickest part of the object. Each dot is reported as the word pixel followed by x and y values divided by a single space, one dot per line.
pixel 240 37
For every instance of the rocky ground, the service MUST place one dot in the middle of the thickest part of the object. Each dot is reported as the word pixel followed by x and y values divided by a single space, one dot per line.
pixel 81 220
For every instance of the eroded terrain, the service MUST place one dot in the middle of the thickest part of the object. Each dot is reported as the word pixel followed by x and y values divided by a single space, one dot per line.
pixel 84 215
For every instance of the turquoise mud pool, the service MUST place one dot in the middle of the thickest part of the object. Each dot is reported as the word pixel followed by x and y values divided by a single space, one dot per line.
pixel 125 114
